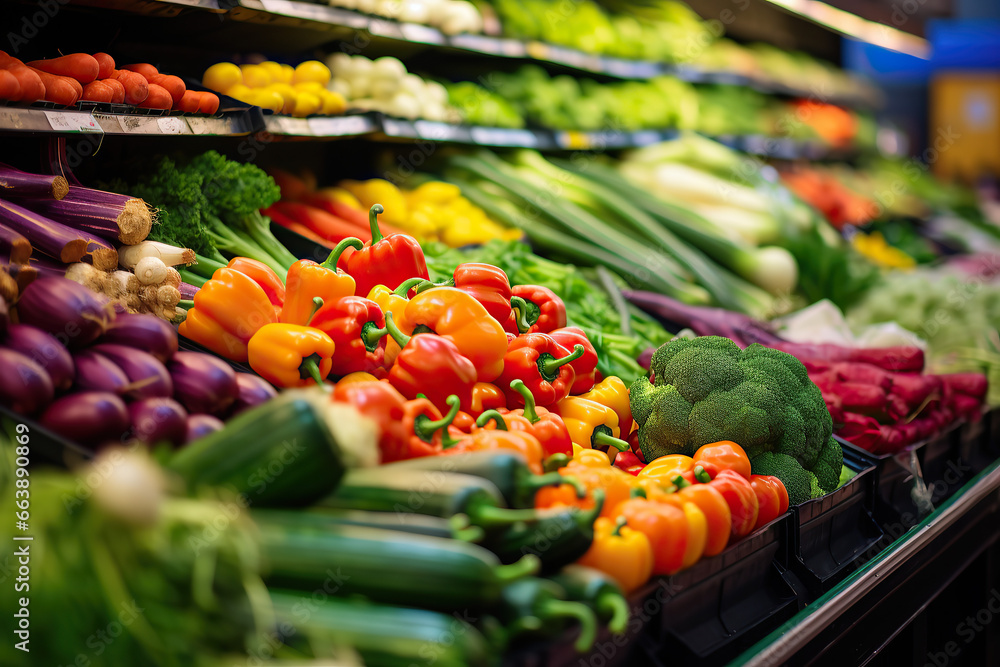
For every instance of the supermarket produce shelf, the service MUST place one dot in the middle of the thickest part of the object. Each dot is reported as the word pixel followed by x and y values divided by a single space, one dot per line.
pixel 99 120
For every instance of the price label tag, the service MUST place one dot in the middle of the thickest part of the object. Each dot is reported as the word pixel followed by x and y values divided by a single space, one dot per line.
pixel 340 126
pixel 537 50
pixel 421 34
pixel 69 121
pixel 300 9
pixel 10 119
pixel 172 125
pixel 575 140
pixel 293 126
pixel 498 136
pixel 398 128
pixel 139 125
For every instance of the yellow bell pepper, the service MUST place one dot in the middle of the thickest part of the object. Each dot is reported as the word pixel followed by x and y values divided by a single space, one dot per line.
pixel 381 191
pixel 435 192
pixel 611 392
pixel 291 355
pixel 620 552
pixel 591 424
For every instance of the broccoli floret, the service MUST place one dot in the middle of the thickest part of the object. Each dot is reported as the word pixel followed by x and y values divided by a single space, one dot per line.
pixel 797 481
pixel 707 389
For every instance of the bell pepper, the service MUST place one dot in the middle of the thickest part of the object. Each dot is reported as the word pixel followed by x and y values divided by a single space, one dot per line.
pixel 518 441
pixel 697 526
pixel 431 365
pixel 408 429
pixel 724 455
pixel 308 280
pixel 291 355
pixel 629 462
pixel 543 310
pixel 359 376
pixel 620 552
pixel 718 517
pixel 542 364
pixel 356 325
pixel 385 260
pixel 666 528
pixel 663 469
pixel 488 285
pixel 453 314
pixel 263 275
pixel 228 310
pixel 592 458
pixel 616 485
pixel 739 496
pixel 486 396
pixel 772 498
pixel 611 392
pixel 591 425
pixel 585 366
pixel 393 301
pixel 547 426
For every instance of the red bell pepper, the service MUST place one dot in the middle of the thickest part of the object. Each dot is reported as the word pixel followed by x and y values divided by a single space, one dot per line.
pixel 543 310
pixel 629 462
pixel 772 498
pixel 488 285
pixel 740 497
pixel 356 326
pixel 586 366
pixel 542 364
pixel 385 260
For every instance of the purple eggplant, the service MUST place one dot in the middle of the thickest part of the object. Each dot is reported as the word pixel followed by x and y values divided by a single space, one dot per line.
pixel 90 418
pixel 157 420
pixel 253 390
pixel 95 372
pixel 14 245
pixel 66 309
pixel 198 426
pixel 147 377
pixel 202 382
pixel 45 351
pixel 144 332
pixel 53 238
pixel 25 387
pixel 17 183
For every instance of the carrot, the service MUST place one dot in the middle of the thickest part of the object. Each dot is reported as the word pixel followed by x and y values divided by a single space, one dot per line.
pixel 209 103
pixel 31 84
pixel 174 85
pixel 98 91
pixel 302 230
pixel 158 98
pixel 292 187
pixel 82 67
pixel 10 89
pixel 145 69
pixel 106 64
pixel 136 86
pixel 60 89
pixel 355 216
pixel 190 101
pixel 118 89
pixel 319 221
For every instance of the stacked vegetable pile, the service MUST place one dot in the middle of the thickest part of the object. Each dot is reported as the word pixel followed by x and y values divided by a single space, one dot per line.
pixel 878 397
pixel 81 77
pixel 293 91
pixel 449 16
pixel 432 211
pixel 93 377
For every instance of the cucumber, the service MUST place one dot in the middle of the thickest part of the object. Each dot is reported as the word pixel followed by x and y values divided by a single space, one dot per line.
pixel 538 607
pixel 384 566
pixel 418 524
pixel 384 636
pixel 283 453
pixel 393 488
pixel 585 584
pixel 507 470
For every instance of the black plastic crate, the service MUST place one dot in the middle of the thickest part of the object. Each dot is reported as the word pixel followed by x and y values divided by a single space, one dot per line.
pixel 834 534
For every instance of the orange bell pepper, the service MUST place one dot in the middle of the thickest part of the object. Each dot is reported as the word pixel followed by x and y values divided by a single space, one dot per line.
pixel 715 509
pixel 697 526
pixel 518 441
pixel 662 470
pixel 308 280
pixel 290 355
pixel 358 376
pixel 616 484
pixel 620 552
pixel 486 396
pixel 664 525
pixel 228 310
pixel 724 455
pixel 612 393
pixel 458 317
pixel 772 498
pixel 263 275
pixel 591 425
pixel 740 497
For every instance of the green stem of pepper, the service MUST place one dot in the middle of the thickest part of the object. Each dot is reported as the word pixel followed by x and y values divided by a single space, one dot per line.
pixel 317 304
pixel 427 284
pixel 529 400
pixel 535 482
pixel 702 475
pixel 555 462
pixel 552 609
pixel 312 368
pixel 550 367
pixel 526 566
pixel 520 307
pixel 390 328
pixel 461 529
pixel 424 428
pixel 338 250
pixel 620 523
pixel 604 438
pixel 373 222
pixel 485 418
pixel 614 607
pixel 680 482
pixel 405 286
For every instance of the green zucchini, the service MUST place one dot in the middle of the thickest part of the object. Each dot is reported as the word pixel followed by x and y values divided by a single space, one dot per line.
pixel 385 566
pixel 393 488
pixel 538 607
pixel 585 584
pixel 418 524
pixel 384 636
pixel 283 453
pixel 558 538
pixel 508 470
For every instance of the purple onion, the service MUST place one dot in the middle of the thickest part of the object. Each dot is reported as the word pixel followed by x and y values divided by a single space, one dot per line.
pixel 198 426
pixel 90 417
pixel 158 419
pixel 66 309
pixel 45 351
pixel 202 382
pixel 144 332
pixel 25 387
pixel 253 390
pixel 95 372
pixel 148 378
